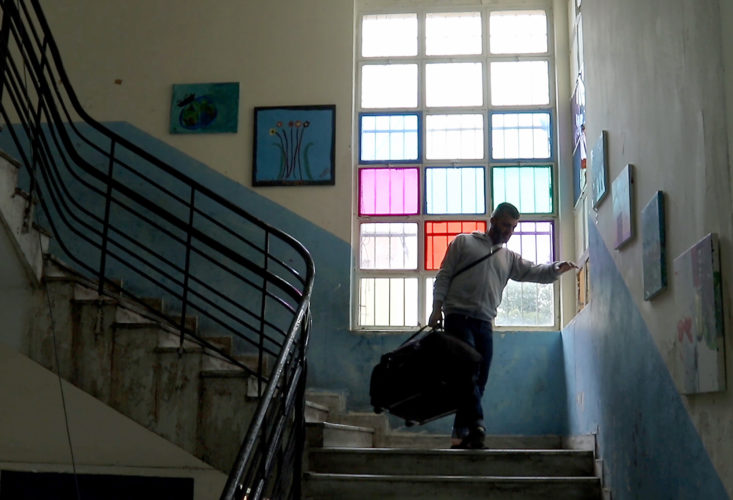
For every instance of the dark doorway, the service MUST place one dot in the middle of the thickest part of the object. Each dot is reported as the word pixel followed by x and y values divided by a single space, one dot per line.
pixel 37 485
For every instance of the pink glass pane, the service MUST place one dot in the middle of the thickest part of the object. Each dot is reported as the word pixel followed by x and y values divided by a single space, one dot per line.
pixel 388 191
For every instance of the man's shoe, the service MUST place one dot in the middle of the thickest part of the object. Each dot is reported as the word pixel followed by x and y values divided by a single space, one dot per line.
pixel 473 441
pixel 476 439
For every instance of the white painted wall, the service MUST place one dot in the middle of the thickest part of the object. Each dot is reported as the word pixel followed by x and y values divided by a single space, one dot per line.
pixel 33 433
pixel 656 80
pixel 282 52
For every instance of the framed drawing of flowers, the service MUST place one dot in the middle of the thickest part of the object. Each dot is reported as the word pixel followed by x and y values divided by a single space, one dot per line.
pixel 294 145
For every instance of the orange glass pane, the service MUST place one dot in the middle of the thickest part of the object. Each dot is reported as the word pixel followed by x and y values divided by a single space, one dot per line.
pixel 439 234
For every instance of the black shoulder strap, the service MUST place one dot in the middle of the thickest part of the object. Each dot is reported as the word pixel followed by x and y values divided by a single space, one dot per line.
pixel 478 261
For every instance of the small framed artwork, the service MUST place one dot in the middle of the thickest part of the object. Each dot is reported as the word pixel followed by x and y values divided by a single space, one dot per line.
pixel 577 103
pixel 204 108
pixel 622 195
pixel 579 169
pixel 294 145
pixel 599 169
pixel 699 348
pixel 654 247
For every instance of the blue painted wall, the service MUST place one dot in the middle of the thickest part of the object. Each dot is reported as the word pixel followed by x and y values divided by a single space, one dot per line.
pixel 619 386
pixel 526 389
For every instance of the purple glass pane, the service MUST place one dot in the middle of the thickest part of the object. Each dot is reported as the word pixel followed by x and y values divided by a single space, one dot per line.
pixel 388 191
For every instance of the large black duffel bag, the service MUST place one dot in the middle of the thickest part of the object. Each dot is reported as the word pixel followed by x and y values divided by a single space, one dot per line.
pixel 426 378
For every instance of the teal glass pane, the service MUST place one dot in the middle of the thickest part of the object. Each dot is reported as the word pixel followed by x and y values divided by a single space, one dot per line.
pixel 455 190
pixel 528 188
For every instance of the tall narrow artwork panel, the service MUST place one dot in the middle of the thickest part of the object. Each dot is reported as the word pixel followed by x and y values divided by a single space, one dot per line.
pixel 622 200
pixel 599 169
pixel 654 247
pixel 699 361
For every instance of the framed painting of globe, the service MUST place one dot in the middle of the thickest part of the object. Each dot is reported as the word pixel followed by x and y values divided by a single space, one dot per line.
pixel 205 108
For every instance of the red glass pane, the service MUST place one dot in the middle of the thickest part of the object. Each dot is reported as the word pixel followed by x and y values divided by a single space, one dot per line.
pixel 439 234
pixel 388 191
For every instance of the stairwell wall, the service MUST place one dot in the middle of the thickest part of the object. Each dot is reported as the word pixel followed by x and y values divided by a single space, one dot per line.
pixel 281 53
pixel 657 78
pixel 656 81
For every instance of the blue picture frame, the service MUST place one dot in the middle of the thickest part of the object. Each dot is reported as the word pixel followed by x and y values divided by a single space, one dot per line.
pixel 204 108
pixel 622 195
pixel 654 247
pixel 294 145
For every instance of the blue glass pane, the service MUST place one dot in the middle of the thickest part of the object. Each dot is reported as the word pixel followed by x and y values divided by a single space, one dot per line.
pixel 389 137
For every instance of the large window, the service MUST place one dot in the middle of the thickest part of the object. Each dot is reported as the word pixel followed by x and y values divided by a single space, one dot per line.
pixel 455 114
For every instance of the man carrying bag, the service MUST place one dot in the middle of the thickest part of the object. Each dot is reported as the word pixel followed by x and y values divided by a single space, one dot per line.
pixel 468 290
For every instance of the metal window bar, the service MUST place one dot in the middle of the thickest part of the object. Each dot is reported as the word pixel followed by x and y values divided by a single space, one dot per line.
pixel 66 153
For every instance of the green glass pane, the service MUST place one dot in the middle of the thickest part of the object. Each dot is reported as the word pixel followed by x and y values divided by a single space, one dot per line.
pixel 529 188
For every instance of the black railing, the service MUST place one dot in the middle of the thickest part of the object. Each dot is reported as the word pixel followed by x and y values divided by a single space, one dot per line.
pixel 117 212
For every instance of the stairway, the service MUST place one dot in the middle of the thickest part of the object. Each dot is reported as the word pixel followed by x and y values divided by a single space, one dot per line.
pixel 117 351
pixel 355 460
pixel 134 362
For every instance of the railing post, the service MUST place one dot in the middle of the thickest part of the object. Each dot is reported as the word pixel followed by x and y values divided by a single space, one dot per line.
pixel 105 226
pixel 263 309
pixel 4 42
pixel 187 266
pixel 299 418
pixel 261 347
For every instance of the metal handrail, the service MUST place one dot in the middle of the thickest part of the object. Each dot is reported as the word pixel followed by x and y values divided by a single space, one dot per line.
pixel 117 211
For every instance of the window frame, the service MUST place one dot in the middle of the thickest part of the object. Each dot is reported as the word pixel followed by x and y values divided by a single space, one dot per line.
pixel 385 7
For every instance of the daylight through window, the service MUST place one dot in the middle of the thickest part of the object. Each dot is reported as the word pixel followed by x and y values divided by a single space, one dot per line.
pixel 455 114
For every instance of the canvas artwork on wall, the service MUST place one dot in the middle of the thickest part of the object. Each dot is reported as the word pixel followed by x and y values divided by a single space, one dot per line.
pixel 294 145
pixel 599 169
pixel 202 108
pixel 579 169
pixel 621 193
pixel 654 247
pixel 699 352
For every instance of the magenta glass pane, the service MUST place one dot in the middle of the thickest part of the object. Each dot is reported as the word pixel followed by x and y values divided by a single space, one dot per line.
pixel 388 191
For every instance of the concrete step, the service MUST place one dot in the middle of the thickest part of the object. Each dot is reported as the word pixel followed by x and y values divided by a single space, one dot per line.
pixel 315 413
pixel 334 401
pixel 224 413
pixel 510 463
pixel 424 440
pixel 318 486
pixel 329 435
pixel 16 216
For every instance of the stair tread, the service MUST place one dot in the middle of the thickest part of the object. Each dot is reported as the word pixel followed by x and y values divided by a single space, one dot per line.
pixel 455 478
pixel 224 373
pixel 11 160
pixel 316 405
pixel 345 427
pixel 446 451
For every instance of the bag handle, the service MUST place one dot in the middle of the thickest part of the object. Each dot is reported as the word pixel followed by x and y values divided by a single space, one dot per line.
pixel 421 330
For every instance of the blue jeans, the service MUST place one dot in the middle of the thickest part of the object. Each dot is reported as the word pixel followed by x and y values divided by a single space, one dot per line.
pixel 477 333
